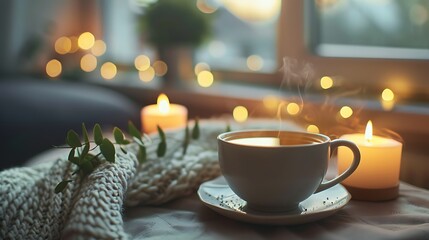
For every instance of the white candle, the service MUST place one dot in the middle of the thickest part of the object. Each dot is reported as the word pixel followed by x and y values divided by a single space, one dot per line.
pixel 380 161
pixel 164 114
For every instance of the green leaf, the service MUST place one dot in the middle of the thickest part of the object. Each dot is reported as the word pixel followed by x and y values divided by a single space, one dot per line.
pixel 141 154
pixel 123 150
pixel 73 139
pixel 85 150
pixel 139 142
pixel 108 150
pixel 98 135
pixel 196 130
pixel 71 154
pixel 162 149
pixel 161 133
pixel 61 186
pixel 228 128
pixel 186 140
pixel 132 130
pixel 75 160
pixel 119 135
pixel 85 133
pixel 87 167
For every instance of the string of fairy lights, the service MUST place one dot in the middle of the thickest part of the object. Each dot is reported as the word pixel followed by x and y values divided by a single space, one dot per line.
pixel 147 71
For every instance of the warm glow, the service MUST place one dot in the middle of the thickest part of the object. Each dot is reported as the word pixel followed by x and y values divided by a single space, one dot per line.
pixel 63 45
pixel 271 102
pixel 142 62
pixel 387 105
pixel 253 10
pixel 99 48
pixel 324 4
pixel 346 112
pixel 368 131
pixel 202 66
pixel 88 62
pixel 204 7
pixel 387 95
pixel 313 129
pixel 147 75
pixel 160 68
pixel 108 70
pixel 326 82
pixel 240 114
pixel 205 78
pixel 292 108
pixel 163 103
pixel 86 40
pixel 74 44
pixel 53 68
pixel 255 62
pixel 419 14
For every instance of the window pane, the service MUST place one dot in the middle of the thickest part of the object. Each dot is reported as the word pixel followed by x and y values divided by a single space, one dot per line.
pixel 375 26
pixel 243 36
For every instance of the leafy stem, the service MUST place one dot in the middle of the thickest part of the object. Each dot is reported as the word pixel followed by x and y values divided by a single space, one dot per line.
pixel 81 151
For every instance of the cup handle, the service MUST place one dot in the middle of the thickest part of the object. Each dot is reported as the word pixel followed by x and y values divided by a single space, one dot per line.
pixel 356 159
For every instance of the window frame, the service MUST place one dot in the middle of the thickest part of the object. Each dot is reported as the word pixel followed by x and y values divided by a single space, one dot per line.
pixel 405 76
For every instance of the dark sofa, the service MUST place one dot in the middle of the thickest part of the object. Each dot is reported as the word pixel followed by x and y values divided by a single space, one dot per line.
pixel 35 114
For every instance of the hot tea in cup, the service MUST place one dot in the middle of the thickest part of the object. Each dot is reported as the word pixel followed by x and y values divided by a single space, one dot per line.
pixel 276 170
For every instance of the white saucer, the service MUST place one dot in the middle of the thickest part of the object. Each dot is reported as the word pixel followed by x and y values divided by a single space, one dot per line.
pixel 217 195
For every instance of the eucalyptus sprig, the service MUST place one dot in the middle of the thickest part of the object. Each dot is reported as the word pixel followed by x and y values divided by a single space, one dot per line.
pixel 80 152
pixel 195 135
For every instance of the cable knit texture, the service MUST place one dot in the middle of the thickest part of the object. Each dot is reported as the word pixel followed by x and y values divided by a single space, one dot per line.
pixel 91 208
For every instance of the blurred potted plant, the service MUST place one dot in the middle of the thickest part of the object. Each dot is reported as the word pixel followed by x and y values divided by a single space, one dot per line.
pixel 175 28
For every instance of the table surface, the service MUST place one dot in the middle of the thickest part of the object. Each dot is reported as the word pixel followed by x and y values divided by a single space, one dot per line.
pixel 406 217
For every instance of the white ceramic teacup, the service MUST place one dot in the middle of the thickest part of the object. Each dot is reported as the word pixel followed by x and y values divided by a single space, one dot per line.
pixel 276 170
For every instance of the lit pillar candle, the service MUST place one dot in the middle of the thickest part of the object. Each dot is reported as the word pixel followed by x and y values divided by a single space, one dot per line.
pixel 164 114
pixel 377 177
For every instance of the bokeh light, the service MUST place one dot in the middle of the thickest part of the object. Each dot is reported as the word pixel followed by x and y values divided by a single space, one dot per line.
pixel 63 45
pixel 53 68
pixel 240 114
pixel 292 108
pixel 387 105
pixel 346 112
pixel 255 62
pixel 419 14
pixel 313 129
pixel 86 40
pixel 74 44
pixel 99 48
pixel 160 68
pixel 199 67
pixel 326 82
pixel 205 78
pixel 387 95
pixel 142 62
pixel 205 7
pixel 88 62
pixel 271 102
pixel 147 75
pixel 108 70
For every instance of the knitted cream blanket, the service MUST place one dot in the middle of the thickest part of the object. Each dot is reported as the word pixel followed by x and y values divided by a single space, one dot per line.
pixel 92 208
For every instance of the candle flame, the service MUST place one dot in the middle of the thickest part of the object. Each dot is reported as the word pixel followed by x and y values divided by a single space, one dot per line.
pixel 163 103
pixel 368 131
